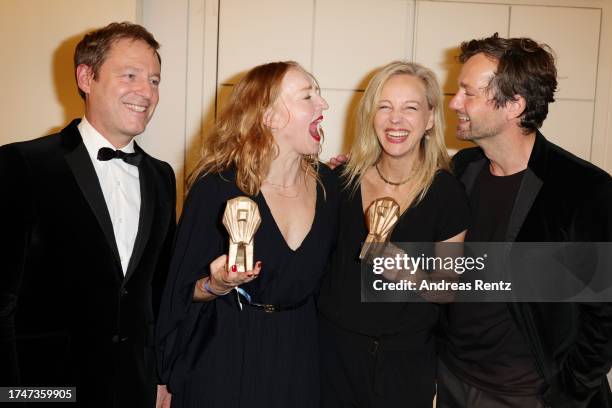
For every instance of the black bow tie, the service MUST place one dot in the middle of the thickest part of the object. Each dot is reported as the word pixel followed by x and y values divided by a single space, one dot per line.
pixel 106 154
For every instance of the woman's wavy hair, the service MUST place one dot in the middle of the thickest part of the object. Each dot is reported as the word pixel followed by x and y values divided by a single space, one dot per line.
pixel 366 149
pixel 524 68
pixel 240 139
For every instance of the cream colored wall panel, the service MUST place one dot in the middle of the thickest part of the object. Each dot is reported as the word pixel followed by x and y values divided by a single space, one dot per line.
pixel 353 37
pixel 570 125
pixel 442 26
pixel 255 32
pixel 573 34
pixel 165 135
pixel 223 93
pixel 339 122
pixel 601 151
pixel 37 40
pixel 566 3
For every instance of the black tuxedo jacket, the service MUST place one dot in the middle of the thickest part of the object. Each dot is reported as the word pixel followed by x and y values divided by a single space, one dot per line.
pixel 561 199
pixel 68 316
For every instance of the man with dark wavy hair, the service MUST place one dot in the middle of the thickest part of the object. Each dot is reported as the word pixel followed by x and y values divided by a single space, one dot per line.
pixel 523 188
pixel 87 222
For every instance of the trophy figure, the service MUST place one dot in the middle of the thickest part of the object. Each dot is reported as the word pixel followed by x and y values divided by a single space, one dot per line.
pixel 241 220
pixel 381 217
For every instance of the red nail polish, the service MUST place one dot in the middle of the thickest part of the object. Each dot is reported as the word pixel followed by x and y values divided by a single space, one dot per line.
pixel 234 268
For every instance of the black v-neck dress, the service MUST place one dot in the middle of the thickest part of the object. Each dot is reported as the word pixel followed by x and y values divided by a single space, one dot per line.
pixel 214 354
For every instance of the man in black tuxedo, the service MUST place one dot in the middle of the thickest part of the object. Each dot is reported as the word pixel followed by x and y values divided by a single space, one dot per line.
pixel 523 188
pixel 87 223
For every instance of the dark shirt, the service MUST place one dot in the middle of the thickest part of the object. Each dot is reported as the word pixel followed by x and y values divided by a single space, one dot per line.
pixel 483 344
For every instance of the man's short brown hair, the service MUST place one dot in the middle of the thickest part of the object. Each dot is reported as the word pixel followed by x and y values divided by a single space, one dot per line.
pixel 524 68
pixel 93 49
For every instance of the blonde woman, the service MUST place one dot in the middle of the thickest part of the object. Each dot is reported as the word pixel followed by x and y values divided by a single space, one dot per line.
pixel 256 347
pixel 383 354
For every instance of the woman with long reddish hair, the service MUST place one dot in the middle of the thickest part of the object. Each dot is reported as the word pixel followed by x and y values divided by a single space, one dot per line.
pixel 230 338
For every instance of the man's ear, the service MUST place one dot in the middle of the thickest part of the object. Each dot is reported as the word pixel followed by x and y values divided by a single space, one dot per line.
pixel 516 107
pixel 84 77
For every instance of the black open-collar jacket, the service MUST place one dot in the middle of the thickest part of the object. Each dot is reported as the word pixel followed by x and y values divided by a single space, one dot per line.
pixel 561 199
pixel 68 315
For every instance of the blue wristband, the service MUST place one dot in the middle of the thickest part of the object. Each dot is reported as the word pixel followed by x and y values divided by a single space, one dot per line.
pixel 209 289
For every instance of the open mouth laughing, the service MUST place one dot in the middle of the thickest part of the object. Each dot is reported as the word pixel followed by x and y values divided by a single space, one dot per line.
pixel 396 135
pixel 315 128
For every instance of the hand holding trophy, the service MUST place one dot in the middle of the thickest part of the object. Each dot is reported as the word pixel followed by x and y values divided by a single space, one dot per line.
pixel 381 217
pixel 241 219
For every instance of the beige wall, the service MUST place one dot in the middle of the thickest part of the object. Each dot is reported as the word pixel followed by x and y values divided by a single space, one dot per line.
pixel 603 107
pixel 226 37
pixel 37 40
pixel 328 37
pixel 165 134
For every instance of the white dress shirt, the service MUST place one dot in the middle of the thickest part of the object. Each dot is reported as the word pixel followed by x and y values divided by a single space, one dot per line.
pixel 121 188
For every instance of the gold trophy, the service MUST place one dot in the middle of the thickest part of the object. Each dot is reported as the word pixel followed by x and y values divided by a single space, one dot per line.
pixel 381 217
pixel 241 220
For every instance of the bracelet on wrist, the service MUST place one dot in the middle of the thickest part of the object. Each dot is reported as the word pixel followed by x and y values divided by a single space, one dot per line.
pixel 207 288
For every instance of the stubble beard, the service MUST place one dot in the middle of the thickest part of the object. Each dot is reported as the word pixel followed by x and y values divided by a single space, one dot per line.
pixel 475 133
